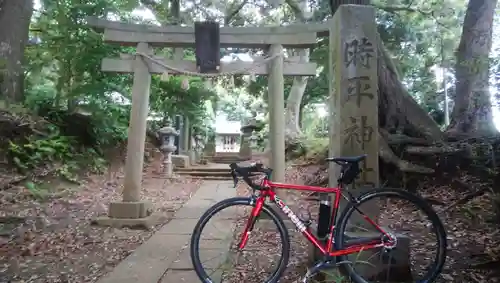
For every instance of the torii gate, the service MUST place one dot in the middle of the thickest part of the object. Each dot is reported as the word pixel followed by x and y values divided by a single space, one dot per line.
pixel 131 210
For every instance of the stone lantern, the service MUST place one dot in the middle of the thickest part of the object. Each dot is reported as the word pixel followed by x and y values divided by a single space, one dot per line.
pixel 247 132
pixel 167 136
pixel 198 147
pixel 253 142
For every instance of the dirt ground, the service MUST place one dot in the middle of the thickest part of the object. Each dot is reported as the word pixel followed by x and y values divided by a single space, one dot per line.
pixel 52 239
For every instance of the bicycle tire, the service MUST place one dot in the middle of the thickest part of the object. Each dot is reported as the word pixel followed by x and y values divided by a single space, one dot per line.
pixel 433 272
pixel 273 215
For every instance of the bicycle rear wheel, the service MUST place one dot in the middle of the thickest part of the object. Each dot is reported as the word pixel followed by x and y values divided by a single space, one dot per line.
pixel 232 215
pixel 393 217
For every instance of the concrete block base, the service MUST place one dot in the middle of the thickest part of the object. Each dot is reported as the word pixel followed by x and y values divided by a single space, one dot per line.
pixel 145 223
pixel 181 161
pixel 390 265
pixel 130 209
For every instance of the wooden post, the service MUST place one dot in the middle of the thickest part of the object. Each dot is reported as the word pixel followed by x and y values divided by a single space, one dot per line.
pixel 276 101
pixel 132 211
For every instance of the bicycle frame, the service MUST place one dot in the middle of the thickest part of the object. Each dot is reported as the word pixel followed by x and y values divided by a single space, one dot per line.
pixel 326 249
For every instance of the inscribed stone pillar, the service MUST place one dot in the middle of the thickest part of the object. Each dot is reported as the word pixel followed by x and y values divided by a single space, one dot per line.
pixel 276 101
pixel 354 117
pixel 354 89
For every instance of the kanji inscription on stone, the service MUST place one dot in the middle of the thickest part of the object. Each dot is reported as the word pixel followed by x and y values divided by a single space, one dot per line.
pixel 358 132
pixel 358 52
pixel 358 88
pixel 364 174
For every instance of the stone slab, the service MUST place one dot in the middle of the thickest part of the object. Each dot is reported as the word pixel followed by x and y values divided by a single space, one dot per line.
pixel 139 223
pixel 138 209
pixel 180 276
pixel 179 227
pixel 190 212
pixel 215 244
pixel 148 263
pixel 181 161
pixel 214 194
pixel 210 259
pixel 152 261
pixel 200 202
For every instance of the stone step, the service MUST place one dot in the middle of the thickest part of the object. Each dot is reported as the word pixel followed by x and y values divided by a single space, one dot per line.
pixel 228 160
pixel 203 169
pixel 206 173
pixel 215 178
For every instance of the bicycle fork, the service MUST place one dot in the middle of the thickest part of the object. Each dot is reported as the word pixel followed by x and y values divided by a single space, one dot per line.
pixel 259 203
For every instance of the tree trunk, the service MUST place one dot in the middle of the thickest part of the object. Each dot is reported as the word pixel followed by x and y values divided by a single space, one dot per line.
pixel 16 15
pixel 293 103
pixel 401 119
pixel 472 113
pixel 399 112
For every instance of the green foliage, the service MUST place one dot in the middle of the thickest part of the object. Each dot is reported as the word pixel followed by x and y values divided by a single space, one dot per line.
pixel 64 81
pixel 54 149
pixel 87 111
pixel 35 190
pixel 169 98
pixel 36 152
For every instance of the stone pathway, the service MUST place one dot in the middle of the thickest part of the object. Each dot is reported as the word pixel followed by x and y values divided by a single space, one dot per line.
pixel 165 258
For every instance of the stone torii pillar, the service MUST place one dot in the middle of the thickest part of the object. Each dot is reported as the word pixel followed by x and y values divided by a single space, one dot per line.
pixel 276 101
pixel 132 211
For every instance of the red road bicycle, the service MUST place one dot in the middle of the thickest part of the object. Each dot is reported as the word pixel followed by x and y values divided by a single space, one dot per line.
pixel 336 250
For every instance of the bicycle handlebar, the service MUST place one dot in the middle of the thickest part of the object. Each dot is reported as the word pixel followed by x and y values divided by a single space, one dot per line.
pixel 249 171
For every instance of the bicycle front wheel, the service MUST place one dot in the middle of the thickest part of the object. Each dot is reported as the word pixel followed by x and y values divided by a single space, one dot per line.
pixel 215 242
pixel 419 233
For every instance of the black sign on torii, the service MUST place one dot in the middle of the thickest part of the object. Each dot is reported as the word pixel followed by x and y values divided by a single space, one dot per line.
pixel 207 46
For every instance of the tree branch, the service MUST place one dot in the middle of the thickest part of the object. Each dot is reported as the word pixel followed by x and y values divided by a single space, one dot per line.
pixel 153 6
pixel 409 9
pixel 234 12
pixel 296 9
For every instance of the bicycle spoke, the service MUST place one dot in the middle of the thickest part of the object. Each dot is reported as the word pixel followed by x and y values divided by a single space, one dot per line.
pixel 256 262
pixel 413 231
